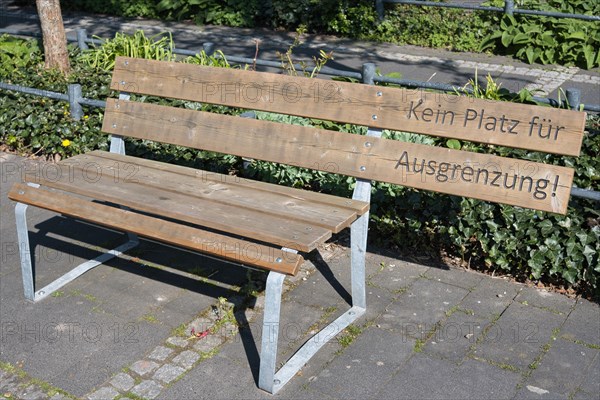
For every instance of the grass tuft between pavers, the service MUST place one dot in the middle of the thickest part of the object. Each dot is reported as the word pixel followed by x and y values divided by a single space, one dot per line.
pixel 46 387
pixel 349 335
pixel 545 349
pixel 131 396
pixel 150 318
pixel 420 343
pixel 504 366
pixel 181 330
pixel 581 342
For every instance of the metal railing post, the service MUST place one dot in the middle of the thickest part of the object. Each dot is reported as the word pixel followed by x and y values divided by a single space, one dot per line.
pixel 573 98
pixel 379 8
pixel 209 48
pixel 368 73
pixel 509 7
pixel 81 38
pixel 75 97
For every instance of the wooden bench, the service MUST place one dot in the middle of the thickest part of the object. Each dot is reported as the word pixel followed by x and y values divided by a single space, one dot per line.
pixel 269 226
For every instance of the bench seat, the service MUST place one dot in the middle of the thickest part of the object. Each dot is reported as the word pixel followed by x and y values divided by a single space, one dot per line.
pixel 235 218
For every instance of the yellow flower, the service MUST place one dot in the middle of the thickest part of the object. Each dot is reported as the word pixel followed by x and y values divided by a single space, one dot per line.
pixel 66 143
pixel 85 117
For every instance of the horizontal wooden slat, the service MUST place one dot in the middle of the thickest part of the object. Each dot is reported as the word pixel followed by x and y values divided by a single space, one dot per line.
pixel 360 207
pixel 500 123
pixel 246 223
pixel 232 249
pixel 214 187
pixel 481 176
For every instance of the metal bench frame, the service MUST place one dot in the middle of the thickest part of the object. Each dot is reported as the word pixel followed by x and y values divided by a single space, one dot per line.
pixel 273 381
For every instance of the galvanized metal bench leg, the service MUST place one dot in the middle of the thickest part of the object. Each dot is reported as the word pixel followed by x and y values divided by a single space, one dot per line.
pixel 270 332
pixel 24 253
pixel 27 270
pixel 358 252
pixel 117 146
pixel 272 381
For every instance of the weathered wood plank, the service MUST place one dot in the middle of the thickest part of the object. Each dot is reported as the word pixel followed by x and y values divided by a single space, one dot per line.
pixel 486 177
pixel 252 224
pixel 133 163
pixel 229 248
pixel 245 197
pixel 500 123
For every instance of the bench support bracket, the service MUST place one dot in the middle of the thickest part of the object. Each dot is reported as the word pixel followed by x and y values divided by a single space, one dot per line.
pixel 26 266
pixel 272 381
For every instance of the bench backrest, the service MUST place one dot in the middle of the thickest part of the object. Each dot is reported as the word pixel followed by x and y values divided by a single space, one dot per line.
pixel 483 176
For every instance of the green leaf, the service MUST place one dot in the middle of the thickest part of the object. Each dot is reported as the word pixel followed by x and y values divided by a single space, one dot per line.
pixel 490 40
pixel 583 237
pixel 546 227
pixel 548 39
pixel 589 253
pixel 506 39
pixel 588 53
pixel 453 144
pixel 501 236
pixel 580 35
pixel 507 22
pixel 570 275
pixel 551 243
pixel 521 38
pixel 503 263
pixel 530 55
pixel 536 262
pixel 565 222
pixel 492 226
pixel 530 29
pixel 549 56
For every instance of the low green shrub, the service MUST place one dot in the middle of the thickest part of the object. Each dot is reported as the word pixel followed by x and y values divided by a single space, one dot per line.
pixel 241 13
pixel 138 45
pixel 43 126
pixel 17 55
pixel 531 244
pixel 548 40
pixel 231 12
pixel 451 29
pixel 125 8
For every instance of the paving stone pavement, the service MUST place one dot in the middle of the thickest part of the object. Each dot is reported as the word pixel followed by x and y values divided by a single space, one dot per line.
pixel 124 330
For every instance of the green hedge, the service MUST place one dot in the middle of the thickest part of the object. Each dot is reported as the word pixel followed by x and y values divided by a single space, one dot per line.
pixel 527 244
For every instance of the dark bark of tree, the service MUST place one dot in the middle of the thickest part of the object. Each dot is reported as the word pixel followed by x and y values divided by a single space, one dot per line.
pixel 55 40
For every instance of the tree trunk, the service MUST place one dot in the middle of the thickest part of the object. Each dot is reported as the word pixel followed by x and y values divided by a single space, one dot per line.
pixel 55 41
